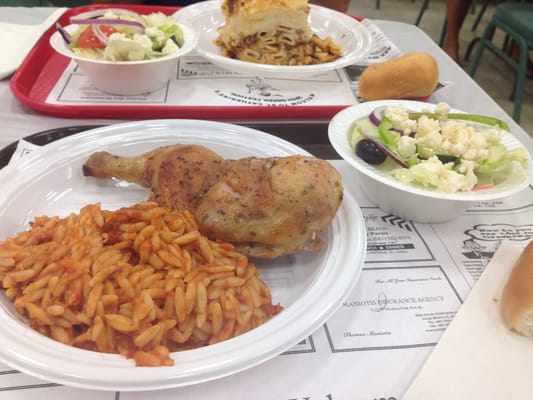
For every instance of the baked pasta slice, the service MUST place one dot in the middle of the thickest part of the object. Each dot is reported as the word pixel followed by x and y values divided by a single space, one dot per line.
pixel 272 32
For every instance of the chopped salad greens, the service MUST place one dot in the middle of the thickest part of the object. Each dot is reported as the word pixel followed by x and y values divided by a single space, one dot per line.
pixel 123 35
pixel 444 151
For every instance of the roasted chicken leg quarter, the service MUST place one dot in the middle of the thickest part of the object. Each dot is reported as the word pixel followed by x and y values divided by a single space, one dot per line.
pixel 266 207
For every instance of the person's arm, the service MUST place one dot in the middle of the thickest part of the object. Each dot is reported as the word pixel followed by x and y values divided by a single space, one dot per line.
pixel 339 5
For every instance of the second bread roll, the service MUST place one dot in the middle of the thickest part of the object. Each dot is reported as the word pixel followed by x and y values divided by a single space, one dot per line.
pixel 410 75
pixel 517 295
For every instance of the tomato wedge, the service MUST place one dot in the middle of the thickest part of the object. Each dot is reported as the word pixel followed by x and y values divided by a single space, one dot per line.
pixel 88 38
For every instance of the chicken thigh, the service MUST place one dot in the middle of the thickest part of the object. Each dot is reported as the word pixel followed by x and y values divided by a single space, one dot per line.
pixel 266 207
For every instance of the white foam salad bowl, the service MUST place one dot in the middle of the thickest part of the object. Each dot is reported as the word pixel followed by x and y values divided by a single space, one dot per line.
pixel 412 202
pixel 128 77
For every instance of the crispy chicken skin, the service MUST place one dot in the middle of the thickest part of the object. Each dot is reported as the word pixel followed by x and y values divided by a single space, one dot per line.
pixel 267 207
pixel 178 175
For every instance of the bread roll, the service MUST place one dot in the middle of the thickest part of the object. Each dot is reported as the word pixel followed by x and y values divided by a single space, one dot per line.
pixel 411 75
pixel 517 295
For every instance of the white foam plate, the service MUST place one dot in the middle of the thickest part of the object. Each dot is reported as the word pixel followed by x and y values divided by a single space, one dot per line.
pixel 355 40
pixel 310 286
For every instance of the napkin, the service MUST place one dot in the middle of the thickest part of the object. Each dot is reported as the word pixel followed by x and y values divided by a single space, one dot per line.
pixel 17 40
pixel 478 357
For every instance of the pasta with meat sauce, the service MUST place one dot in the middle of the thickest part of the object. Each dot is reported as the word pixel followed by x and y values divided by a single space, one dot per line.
pixel 140 281
pixel 273 32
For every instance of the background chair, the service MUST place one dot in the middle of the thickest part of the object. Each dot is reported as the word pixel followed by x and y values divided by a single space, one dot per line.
pixel 515 20
pixel 425 5
pixel 423 8
pixel 378 4
pixel 480 13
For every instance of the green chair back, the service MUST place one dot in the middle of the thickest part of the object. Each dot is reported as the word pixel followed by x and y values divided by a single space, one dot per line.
pixel 515 19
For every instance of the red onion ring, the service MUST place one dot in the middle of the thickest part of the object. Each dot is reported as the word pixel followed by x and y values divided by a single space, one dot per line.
pixel 116 11
pixel 377 114
pixel 99 34
pixel 107 21
pixel 64 34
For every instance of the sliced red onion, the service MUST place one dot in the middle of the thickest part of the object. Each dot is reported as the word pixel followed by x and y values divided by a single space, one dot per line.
pixel 64 34
pixel 99 34
pixel 376 115
pixel 386 150
pixel 117 11
pixel 107 21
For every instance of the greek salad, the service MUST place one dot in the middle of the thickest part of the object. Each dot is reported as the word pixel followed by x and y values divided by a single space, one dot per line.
pixel 123 35
pixel 439 149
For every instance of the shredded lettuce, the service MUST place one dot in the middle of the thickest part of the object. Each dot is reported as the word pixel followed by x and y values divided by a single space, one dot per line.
pixel 121 48
pixel 501 160
pixel 168 26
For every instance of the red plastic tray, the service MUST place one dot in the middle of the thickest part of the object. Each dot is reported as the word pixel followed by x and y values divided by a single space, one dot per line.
pixel 42 67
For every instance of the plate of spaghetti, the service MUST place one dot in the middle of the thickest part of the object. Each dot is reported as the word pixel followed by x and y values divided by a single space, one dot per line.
pixel 292 39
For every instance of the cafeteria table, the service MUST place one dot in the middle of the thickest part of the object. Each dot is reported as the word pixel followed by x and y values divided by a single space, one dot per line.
pixel 332 364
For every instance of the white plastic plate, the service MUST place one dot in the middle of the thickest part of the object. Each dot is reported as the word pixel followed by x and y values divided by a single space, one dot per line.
pixel 355 40
pixel 310 286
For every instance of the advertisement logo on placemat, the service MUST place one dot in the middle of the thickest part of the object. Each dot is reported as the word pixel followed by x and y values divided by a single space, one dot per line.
pixel 258 92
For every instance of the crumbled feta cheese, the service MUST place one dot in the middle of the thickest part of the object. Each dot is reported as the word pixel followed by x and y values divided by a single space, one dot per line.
pixel 170 47
pixel 120 48
pixel 427 126
pixel 406 147
pixel 144 41
pixel 492 135
pixel 434 174
pixel 466 168
pixel 153 32
pixel 399 117
pixel 442 109
pixel 117 36
pixel 462 140
pixel 428 133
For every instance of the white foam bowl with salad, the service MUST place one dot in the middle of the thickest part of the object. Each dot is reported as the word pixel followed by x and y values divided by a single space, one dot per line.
pixel 123 52
pixel 427 162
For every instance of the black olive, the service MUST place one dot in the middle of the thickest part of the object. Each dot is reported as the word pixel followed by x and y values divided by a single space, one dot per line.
pixel 370 152
pixel 444 158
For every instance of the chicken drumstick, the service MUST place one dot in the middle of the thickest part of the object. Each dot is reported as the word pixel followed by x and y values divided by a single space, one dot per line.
pixel 267 207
